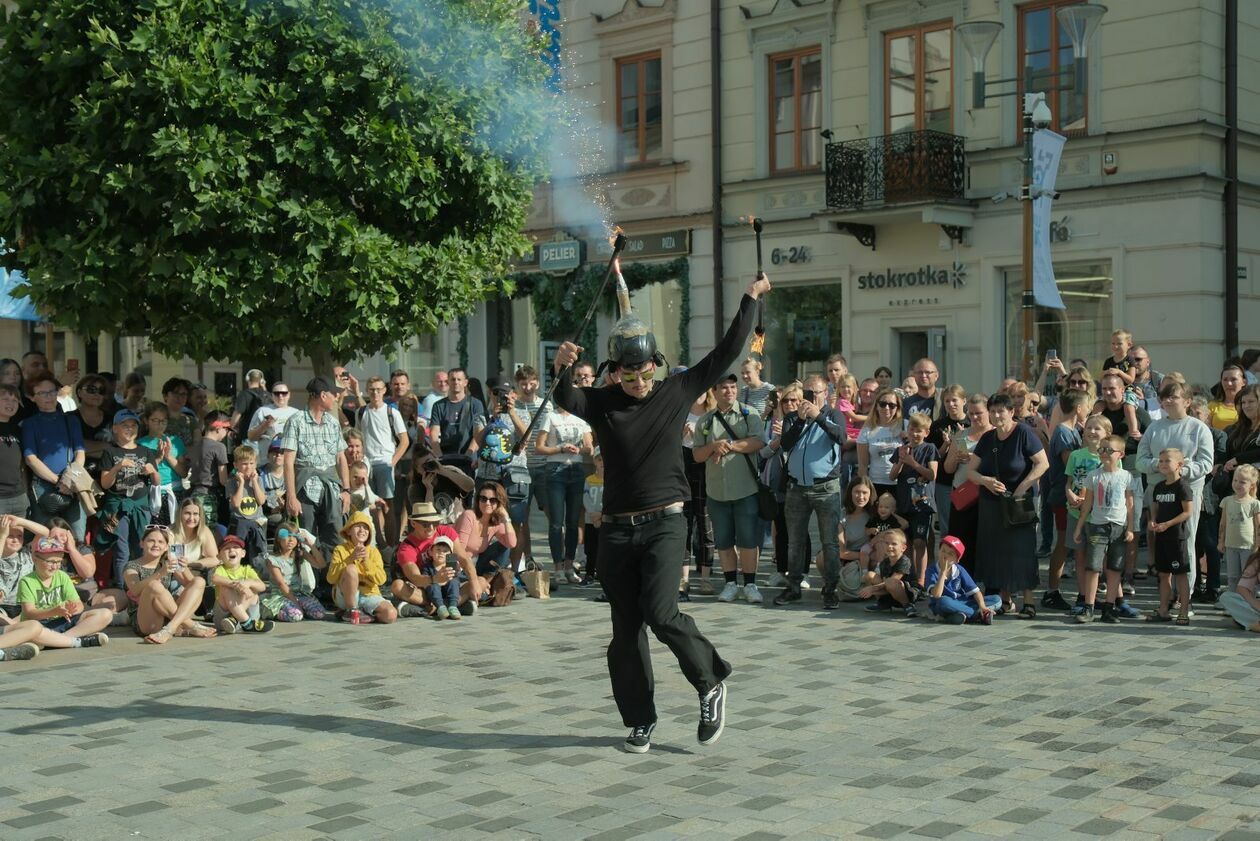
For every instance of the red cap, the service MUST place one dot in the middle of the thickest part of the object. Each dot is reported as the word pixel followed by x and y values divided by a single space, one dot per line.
pixel 232 540
pixel 221 424
pixel 955 544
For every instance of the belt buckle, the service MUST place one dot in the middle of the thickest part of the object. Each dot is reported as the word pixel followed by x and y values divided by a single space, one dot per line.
pixel 640 519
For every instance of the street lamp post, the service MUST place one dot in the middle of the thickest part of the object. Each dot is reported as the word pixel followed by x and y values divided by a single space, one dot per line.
pixel 1080 21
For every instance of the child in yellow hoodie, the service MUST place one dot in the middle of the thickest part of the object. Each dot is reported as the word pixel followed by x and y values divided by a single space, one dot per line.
pixel 357 572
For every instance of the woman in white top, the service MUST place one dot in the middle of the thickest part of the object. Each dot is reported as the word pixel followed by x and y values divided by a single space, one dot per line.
pixel 879 441
pixel 192 542
pixel 563 441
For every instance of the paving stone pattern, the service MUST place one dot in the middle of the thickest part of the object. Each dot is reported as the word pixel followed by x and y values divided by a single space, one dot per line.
pixel 840 725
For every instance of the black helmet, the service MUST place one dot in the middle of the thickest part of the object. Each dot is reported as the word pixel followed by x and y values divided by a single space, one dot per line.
pixel 54 503
pixel 631 351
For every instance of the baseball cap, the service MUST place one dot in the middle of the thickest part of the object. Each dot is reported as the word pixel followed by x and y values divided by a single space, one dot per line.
pixel 955 544
pixel 46 546
pixel 318 385
pixel 232 540
pixel 276 444
pixel 124 415
pixel 729 378
pixel 443 540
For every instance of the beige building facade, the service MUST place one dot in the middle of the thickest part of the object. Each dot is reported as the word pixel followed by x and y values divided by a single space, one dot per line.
pixel 892 238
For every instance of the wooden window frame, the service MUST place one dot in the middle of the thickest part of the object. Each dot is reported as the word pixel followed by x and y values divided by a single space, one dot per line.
pixel 641 59
pixel 1022 12
pixel 796 56
pixel 920 119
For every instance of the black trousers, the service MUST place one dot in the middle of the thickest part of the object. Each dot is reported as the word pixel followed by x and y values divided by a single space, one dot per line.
pixel 590 540
pixel 639 573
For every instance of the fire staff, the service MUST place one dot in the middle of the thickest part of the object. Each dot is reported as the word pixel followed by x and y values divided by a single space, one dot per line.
pixel 639 422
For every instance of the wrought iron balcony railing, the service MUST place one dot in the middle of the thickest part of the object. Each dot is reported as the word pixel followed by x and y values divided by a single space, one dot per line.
pixel 909 166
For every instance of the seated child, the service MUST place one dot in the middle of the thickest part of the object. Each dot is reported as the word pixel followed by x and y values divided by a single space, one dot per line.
pixel 885 519
pixel 236 591
pixel 15 563
pixel 246 519
pixel 47 596
pixel 949 587
pixel 443 597
pixel 288 597
pixel 357 572
pixel 363 498
pixel 1241 603
pixel 272 478
pixel 891 583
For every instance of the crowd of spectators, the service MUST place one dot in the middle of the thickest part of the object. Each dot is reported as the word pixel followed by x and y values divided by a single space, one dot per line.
pixel 174 518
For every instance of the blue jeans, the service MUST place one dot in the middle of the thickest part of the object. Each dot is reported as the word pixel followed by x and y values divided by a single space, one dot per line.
pixel 564 509
pixel 494 555
pixel 822 500
pixel 945 605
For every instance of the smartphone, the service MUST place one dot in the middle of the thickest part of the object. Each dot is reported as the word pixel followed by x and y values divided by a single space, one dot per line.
pixel 1052 354
pixel 808 395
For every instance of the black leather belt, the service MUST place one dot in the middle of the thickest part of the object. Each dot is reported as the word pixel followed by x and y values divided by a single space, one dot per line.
pixel 646 517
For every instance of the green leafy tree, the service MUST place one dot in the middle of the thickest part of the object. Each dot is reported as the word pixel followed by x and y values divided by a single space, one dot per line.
pixel 237 177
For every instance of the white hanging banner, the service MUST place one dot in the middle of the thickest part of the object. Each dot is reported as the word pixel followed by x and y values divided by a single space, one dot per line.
pixel 1047 148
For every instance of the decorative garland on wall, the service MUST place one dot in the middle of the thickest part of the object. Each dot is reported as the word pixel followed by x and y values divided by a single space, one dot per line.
pixel 560 301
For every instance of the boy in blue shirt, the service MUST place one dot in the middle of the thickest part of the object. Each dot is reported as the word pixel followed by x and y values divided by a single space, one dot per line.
pixel 950 587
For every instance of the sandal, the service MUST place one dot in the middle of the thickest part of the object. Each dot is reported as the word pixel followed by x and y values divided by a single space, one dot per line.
pixel 1156 616
pixel 1008 608
pixel 1028 611
pixel 158 637
pixel 1183 620
pixel 197 630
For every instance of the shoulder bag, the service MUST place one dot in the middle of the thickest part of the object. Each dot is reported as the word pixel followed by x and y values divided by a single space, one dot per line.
pixel 767 505
pixel 1018 510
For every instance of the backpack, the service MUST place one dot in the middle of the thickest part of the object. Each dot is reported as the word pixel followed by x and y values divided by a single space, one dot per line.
pixel 460 428
pixel 389 413
pixel 499 439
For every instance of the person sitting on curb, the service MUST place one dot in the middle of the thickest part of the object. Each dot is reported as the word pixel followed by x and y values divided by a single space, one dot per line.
pixel 892 583
pixel 949 586
pixel 48 596
pixel 357 572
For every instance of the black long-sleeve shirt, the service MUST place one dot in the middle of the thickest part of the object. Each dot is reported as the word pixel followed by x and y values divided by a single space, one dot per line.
pixel 639 439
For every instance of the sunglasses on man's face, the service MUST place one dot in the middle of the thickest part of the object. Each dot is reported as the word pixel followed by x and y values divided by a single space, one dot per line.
pixel 635 376
pixel 280 393
pixel 1078 382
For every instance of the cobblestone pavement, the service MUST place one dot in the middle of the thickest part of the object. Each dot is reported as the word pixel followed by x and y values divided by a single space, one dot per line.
pixel 840 725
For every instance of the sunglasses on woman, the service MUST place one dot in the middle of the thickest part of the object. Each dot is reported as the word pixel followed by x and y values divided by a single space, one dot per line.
pixel 493 500
pixel 886 405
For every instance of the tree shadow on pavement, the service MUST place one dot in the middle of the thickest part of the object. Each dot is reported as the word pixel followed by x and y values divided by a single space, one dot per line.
pixel 70 720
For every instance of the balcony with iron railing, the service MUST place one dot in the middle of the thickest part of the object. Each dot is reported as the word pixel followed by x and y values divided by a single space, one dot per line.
pixel 897 177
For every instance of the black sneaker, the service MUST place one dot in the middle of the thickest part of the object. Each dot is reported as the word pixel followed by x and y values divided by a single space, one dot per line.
pixel 259 626
pixel 640 739
pixel 712 715
pixel 25 651
pixel 1109 615
pixel 790 595
pixel 94 641
pixel 684 596
pixel 910 611
pixel 830 600
pixel 1054 600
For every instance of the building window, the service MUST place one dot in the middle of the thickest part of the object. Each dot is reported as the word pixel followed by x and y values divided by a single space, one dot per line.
pixel 639 124
pixel 918 79
pixel 1083 329
pixel 796 103
pixel 1044 46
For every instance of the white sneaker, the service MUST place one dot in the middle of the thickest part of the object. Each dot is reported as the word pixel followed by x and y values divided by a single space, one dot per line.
pixel 777 579
pixel 729 593
pixel 752 594
pixel 805 583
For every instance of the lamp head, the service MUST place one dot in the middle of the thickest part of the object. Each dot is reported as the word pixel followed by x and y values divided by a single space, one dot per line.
pixel 1081 21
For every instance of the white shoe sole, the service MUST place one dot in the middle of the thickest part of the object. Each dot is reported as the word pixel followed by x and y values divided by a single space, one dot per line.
pixel 629 748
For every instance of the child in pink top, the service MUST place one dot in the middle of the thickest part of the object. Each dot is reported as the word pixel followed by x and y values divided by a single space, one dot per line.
pixel 486 530
pixel 845 392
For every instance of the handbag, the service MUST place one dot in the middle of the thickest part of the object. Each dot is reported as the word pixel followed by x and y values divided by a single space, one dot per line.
pixel 964 496
pixel 767 505
pixel 1018 510
pixel 537 582
pixel 503 588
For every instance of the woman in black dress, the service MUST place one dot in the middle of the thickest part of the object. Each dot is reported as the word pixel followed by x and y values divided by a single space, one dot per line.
pixel 1008 460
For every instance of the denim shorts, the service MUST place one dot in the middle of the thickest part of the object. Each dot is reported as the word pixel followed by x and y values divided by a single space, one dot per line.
pixel 381 480
pixel 366 604
pixel 735 524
